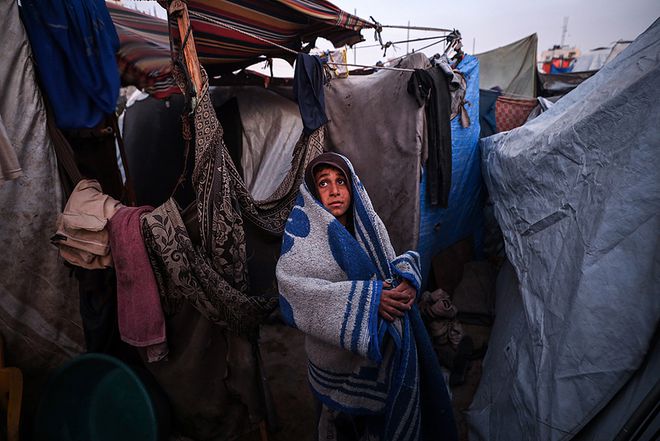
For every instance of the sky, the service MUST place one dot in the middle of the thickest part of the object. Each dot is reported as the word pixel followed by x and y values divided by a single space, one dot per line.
pixel 488 24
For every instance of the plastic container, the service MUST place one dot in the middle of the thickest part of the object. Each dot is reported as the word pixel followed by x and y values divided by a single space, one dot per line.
pixel 96 397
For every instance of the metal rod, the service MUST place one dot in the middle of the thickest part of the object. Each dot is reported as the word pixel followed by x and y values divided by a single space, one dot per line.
pixel 416 28
pixel 354 48
pixel 402 41
pixel 408 38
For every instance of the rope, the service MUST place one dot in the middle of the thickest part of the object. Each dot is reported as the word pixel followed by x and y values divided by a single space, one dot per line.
pixel 417 50
pixel 443 37
pixel 400 69
pixel 415 28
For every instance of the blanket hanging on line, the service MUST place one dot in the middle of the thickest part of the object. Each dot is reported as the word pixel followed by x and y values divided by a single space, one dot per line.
pixel 330 286
pixel 214 276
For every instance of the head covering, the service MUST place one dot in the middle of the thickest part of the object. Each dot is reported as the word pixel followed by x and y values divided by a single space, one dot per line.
pixel 326 159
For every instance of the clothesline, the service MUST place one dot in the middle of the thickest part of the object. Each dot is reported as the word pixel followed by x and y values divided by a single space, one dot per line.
pixel 422 48
pixel 217 22
pixel 366 66
pixel 444 37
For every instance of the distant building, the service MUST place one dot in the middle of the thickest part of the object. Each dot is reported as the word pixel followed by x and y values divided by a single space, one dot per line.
pixel 559 59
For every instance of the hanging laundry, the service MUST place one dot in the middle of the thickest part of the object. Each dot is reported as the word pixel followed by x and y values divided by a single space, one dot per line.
pixel 308 90
pixel 213 276
pixel 457 87
pixel 74 44
pixel 139 313
pixel 82 237
pixel 339 70
pixel 430 88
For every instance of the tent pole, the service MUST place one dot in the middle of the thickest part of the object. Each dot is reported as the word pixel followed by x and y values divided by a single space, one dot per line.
pixel 179 10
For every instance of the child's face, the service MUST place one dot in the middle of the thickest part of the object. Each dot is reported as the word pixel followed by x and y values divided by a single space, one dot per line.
pixel 332 188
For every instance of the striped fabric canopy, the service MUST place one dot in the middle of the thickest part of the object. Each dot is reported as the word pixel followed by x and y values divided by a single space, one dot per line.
pixel 144 55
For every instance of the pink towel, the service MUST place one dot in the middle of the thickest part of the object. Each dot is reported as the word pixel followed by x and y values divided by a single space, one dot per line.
pixel 141 319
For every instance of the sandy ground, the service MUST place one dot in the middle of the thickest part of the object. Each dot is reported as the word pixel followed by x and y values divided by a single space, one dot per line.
pixel 285 364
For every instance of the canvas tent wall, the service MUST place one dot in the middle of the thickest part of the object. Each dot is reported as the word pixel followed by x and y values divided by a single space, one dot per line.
pixel 577 194
pixel 512 68
pixel 38 296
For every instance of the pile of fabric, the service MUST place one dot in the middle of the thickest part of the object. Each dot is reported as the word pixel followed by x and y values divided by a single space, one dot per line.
pixel 451 344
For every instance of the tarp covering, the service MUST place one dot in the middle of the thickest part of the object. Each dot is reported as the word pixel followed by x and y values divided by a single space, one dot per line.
pixel 145 53
pixel 560 84
pixel 511 67
pixel 271 128
pixel 38 298
pixel 576 192
pixel 597 58
pixel 441 227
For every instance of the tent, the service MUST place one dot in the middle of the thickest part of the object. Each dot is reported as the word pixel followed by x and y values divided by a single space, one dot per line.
pixel 576 193
pixel 41 302
pixel 219 29
pixel 512 68
pixel 597 58
pixel 38 295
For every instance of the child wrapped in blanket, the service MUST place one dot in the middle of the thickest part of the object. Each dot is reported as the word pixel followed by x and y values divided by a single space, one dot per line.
pixel 371 366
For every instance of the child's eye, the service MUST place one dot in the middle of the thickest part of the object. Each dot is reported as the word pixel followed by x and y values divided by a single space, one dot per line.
pixel 341 182
pixel 323 183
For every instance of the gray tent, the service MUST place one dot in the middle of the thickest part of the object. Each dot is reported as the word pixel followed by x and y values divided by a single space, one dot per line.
pixel 576 192
pixel 511 68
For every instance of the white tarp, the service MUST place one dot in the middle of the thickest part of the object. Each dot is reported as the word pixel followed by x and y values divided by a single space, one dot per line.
pixel 271 129
pixel 597 58
pixel 576 192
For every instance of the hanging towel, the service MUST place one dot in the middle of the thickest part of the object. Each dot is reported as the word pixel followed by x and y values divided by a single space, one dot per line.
pixel 82 236
pixel 141 319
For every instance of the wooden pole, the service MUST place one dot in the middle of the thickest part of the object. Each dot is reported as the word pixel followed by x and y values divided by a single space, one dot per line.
pixel 179 10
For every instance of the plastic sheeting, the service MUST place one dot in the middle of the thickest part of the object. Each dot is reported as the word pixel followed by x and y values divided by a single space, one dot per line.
pixel 576 192
pixel 442 227
pixel 597 58
pixel 561 84
pixel 38 298
pixel 511 67
pixel 271 129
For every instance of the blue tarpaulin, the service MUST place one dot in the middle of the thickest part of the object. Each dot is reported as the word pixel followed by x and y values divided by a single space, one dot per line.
pixel 463 217
pixel 74 43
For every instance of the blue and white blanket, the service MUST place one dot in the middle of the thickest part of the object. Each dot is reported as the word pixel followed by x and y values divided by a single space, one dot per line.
pixel 330 284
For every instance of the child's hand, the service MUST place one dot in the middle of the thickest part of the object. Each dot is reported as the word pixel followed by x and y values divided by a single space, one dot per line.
pixel 395 301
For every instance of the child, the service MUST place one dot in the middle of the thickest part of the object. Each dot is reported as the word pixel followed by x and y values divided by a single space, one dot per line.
pixel 371 365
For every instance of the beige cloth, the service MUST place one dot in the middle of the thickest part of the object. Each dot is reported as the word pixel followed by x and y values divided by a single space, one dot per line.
pixel 82 236
pixel 9 166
